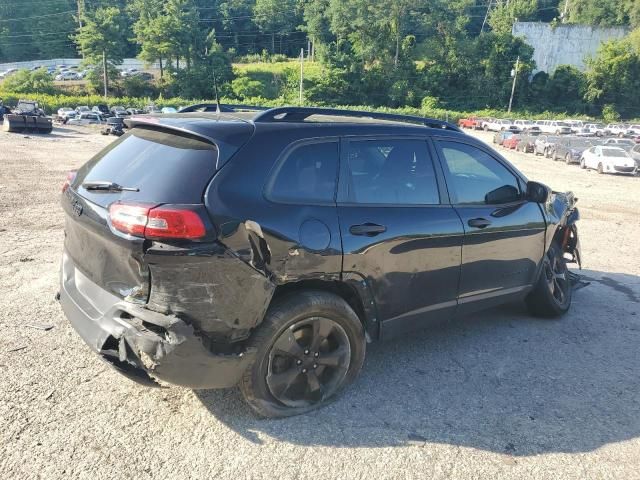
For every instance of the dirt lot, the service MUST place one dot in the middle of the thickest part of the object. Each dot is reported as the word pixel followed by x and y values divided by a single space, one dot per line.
pixel 499 395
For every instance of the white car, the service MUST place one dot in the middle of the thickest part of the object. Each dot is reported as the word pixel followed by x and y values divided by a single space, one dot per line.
pixel 555 127
pixel 617 129
pixel 624 143
pixel 168 110
pixel 607 159
pixel 68 75
pixel 498 125
pixel 526 126
pixel 66 113
pixel 88 118
pixel 576 125
pixel 597 129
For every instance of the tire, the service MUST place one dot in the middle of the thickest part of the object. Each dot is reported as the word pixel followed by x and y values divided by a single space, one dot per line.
pixel 583 165
pixel 486 128
pixel 567 159
pixel 551 297
pixel 600 169
pixel 291 323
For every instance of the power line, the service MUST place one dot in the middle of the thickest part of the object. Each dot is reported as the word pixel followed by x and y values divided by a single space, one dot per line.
pixel 36 17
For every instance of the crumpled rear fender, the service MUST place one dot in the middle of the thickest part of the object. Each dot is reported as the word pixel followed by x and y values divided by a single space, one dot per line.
pixel 561 216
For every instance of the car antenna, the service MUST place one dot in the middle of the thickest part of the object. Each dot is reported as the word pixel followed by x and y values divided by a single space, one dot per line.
pixel 215 89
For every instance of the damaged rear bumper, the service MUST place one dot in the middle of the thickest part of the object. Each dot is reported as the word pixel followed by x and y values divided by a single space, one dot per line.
pixel 143 345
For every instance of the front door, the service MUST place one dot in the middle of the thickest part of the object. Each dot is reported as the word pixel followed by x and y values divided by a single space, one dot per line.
pixel 399 233
pixel 504 233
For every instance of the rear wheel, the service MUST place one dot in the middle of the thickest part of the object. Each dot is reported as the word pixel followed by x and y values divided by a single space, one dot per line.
pixel 583 165
pixel 600 169
pixel 551 296
pixel 567 159
pixel 310 346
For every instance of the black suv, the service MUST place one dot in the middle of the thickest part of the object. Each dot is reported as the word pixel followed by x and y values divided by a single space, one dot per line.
pixel 266 249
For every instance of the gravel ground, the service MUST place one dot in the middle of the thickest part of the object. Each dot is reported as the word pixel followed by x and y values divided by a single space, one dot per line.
pixel 498 395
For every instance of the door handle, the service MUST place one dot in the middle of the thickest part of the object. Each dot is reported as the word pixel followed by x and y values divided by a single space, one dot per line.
pixel 367 229
pixel 479 222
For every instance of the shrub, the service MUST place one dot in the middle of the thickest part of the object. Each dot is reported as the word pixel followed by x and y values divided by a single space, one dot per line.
pixel 243 88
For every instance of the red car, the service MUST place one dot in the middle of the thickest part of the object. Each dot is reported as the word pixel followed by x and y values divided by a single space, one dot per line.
pixel 512 142
pixel 471 122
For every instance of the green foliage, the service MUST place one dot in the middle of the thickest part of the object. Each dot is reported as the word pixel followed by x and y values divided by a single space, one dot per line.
pixel 244 87
pixel 610 114
pixel 24 81
pixel 503 16
pixel 604 13
pixel 104 32
pixel 614 76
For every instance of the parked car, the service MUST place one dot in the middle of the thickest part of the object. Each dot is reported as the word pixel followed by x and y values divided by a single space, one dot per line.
pixel 117 108
pixel 102 110
pixel 634 130
pixel 597 129
pixel 66 113
pixel 83 109
pixel 277 278
pixel 134 111
pixel 526 126
pixel 114 126
pixel 512 142
pixel 617 129
pixel 526 144
pixel 556 128
pixel 474 123
pixel 575 125
pixel 544 145
pixel 635 154
pixel 152 109
pixel 624 143
pixel 86 118
pixel 129 72
pixel 68 75
pixel 570 149
pixel 146 76
pixel 607 159
pixel 500 137
pixel 168 110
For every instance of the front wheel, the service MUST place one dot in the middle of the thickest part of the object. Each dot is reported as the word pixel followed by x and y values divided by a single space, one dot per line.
pixel 600 168
pixel 567 159
pixel 551 296
pixel 583 165
pixel 309 347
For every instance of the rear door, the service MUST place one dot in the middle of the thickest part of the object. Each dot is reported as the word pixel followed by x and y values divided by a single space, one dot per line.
pixel 504 233
pixel 162 168
pixel 400 235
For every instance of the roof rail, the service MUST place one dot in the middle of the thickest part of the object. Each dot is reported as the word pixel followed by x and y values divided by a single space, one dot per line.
pixel 299 114
pixel 223 108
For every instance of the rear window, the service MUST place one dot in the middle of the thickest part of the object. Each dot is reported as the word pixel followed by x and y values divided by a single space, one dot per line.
pixel 307 175
pixel 165 167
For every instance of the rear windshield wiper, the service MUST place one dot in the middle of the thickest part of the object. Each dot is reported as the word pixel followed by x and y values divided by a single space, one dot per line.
pixel 108 187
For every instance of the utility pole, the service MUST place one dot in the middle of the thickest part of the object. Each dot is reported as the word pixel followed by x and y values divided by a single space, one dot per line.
pixel 80 11
pixel 513 86
pixel 105 77
pixel 301 72
pixel 565 11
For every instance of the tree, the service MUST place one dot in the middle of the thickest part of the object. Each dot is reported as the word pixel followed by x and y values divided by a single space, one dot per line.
pixel 24 81
pixel 502 17
pixel 603 13
pixel 276 17
pixel 613 76
pixel 102 39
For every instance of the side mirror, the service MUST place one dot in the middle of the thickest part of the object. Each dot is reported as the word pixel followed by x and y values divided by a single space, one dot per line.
pixel 537 192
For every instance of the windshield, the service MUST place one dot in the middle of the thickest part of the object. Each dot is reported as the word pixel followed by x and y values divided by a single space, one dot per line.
pixel 563 124
pixel 614 152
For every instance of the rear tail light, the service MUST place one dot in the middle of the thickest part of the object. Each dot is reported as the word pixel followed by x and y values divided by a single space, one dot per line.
pixel 68 180
pixel 166 221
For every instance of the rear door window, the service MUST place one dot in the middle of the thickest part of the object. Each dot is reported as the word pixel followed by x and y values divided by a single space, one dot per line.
pixel 165 168
pixel 392 172
pixel 306 175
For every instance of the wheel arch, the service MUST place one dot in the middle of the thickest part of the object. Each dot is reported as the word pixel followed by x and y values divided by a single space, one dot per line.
pixel 353 289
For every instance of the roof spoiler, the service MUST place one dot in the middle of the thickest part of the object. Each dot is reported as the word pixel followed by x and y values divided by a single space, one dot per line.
pixel 299 114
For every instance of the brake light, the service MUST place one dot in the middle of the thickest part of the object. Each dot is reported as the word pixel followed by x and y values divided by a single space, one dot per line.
pixel 161 222
pixel 69 180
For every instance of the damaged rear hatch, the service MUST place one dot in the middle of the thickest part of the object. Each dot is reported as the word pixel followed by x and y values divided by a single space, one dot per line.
pixel 149 184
